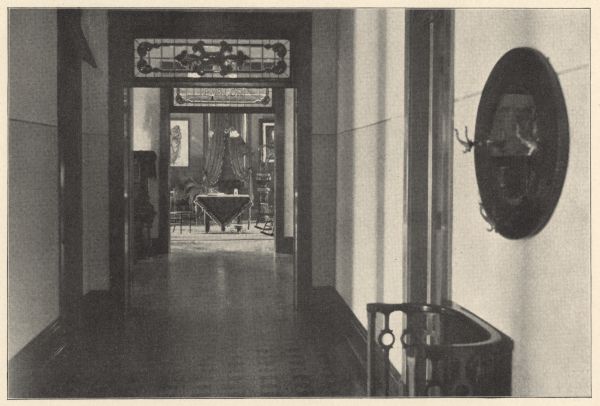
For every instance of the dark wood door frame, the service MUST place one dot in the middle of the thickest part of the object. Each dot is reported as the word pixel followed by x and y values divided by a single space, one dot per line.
pixel 161 245
pixel 429 144
pixel 125 26
pixel 279 110
pixel 283 244
pixel 72 49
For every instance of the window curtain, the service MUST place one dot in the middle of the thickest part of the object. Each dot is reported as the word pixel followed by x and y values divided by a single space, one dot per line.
pixel 213 158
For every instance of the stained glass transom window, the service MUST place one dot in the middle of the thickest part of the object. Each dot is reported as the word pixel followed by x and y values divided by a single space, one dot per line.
pixel 223 97
pixel 212 58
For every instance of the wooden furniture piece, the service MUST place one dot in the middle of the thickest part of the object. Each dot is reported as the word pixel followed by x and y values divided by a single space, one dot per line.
pixel 267 215
pixel 448 351
pixel 265 205
pixel 180 218
pixel 179 214
pixel 222 208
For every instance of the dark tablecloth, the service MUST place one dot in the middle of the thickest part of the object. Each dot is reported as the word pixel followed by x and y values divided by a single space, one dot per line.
pixel 224 208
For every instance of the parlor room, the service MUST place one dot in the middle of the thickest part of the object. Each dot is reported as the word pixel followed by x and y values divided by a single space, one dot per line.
pixel 223 186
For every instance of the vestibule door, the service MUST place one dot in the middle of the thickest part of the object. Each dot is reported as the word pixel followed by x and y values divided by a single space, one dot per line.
pixel 429 111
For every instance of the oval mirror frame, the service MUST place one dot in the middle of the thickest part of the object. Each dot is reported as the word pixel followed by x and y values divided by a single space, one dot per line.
pixel 521 143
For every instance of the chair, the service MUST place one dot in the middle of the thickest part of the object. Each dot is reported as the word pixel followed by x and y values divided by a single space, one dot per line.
pixel 265 213
pixel 265 207
pixel 179 212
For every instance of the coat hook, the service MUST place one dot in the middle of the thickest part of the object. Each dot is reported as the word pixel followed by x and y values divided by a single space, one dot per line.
pixel 486 218
pixel 467 143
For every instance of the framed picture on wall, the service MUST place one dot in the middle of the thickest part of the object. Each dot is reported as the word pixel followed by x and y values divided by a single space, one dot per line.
pixel 267 138
pixel 179 136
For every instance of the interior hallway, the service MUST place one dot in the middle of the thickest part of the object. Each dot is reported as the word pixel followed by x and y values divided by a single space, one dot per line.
pixel 212 319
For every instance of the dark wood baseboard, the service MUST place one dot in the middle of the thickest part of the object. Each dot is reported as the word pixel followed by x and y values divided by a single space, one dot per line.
pixel 33 370
pixel 349 338
pixel 26 368
pixel 99 305
pixel 285 245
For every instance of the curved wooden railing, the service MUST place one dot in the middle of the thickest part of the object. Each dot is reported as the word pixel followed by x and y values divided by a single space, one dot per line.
pixel 447 351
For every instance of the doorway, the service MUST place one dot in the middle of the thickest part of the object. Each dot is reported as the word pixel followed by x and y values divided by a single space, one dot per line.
pixel 218 169
pixel 127 26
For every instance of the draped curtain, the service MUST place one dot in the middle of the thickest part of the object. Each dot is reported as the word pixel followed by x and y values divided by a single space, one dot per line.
pixel 228 130
pixel 239 150
pixel 213 158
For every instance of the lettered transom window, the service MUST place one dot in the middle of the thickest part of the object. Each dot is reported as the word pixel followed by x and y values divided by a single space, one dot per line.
pixel 222 97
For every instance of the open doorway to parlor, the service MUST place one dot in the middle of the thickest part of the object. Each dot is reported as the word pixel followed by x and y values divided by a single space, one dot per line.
pixel 144 28
pixel 213 184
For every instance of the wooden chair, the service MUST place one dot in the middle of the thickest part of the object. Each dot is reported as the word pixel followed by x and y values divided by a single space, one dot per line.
pixel 265 208
pixel 177 216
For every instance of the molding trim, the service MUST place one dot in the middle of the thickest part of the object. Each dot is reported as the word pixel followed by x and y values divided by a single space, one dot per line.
pixel 31 370
pixel 70 163
pixel 26 368
pixel 163 163
pixel 349 338
pixel 286 246
pixel 362 127
pixel 18 120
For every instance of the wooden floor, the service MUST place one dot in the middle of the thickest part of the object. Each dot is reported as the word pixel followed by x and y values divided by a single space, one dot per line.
pixel 197 232
pixel 213 319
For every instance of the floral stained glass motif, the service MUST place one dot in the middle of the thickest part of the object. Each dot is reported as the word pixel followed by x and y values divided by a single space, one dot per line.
pixel 212 58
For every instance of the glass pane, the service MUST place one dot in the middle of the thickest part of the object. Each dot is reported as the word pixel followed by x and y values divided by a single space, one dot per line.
pixel 223 97
pixel 212 58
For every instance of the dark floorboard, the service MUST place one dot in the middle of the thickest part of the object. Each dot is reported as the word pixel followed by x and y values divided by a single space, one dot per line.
pixel 211 320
